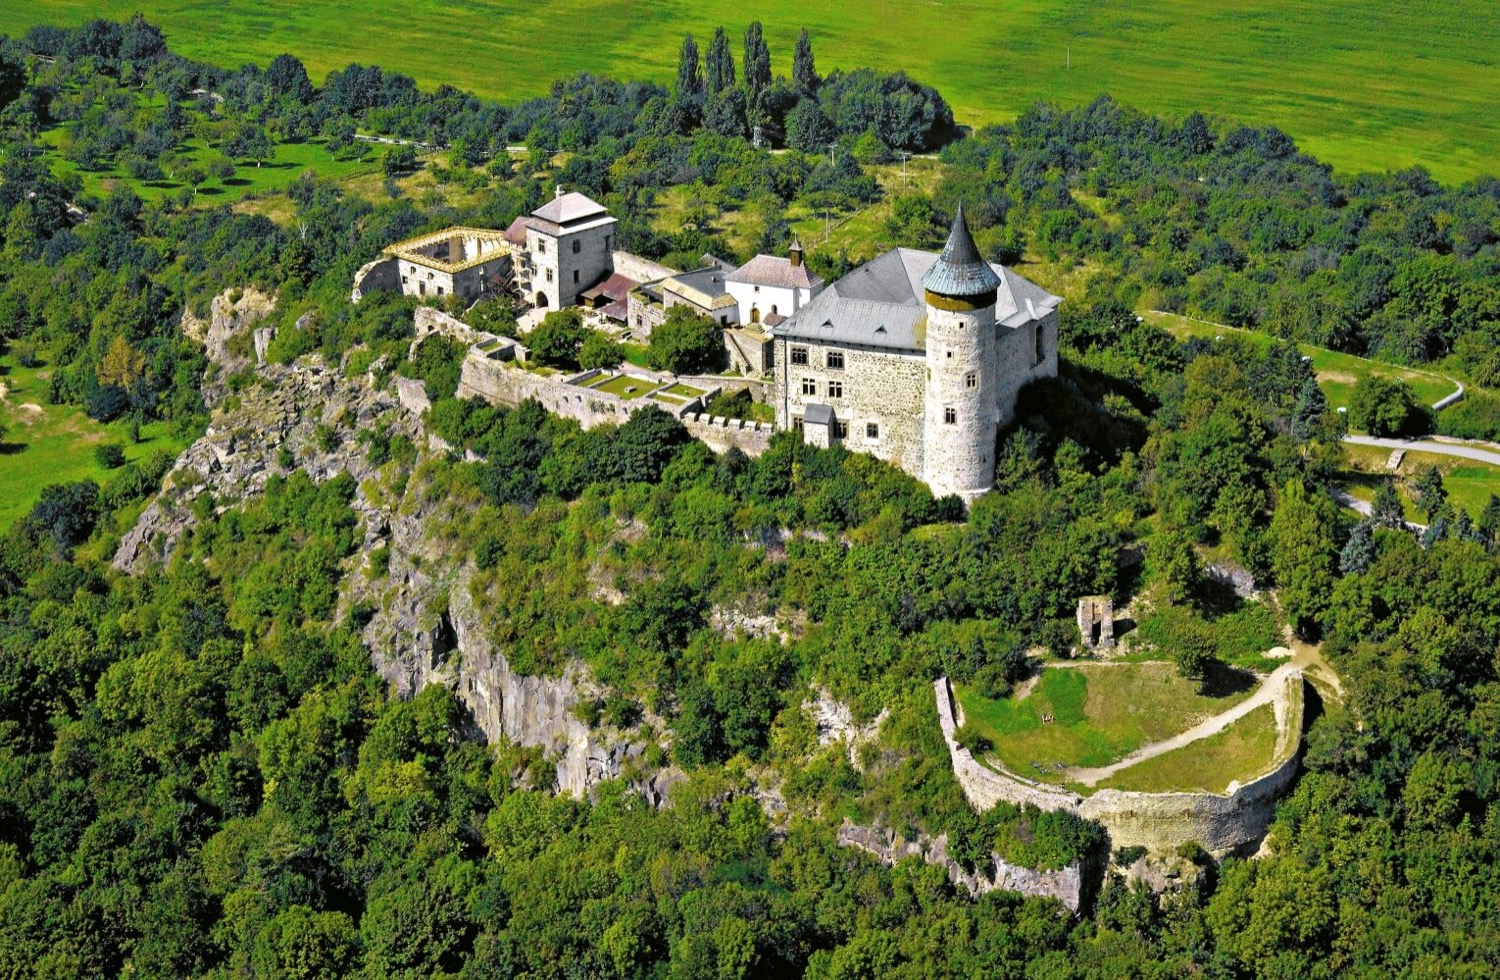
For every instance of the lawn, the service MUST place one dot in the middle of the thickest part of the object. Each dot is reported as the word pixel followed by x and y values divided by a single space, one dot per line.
pixel 1100 714
pixel 1242 751
pixel 626 386
pixel 46 444
pixel 1337 373
pixel 1379 85
pixel 1469 483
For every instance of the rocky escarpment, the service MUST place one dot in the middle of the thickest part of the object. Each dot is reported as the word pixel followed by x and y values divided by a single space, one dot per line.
pixel 1068 885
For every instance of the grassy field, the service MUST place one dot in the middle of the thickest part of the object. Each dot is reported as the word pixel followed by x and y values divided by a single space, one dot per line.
pixel 1337 373
pixel 1242 750
pixel 1100 714
pixel 1469 484
pixel 1377 85
pixel 46 444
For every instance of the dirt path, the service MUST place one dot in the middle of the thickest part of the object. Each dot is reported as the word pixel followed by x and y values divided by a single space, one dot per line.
pixel 1272 691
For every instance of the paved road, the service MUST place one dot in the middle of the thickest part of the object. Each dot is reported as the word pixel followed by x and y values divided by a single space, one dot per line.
pixel 1428 446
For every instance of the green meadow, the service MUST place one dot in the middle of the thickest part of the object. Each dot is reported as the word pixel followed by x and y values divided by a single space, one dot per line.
pixel 1366 86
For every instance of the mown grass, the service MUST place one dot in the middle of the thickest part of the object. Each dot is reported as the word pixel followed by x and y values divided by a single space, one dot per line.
pixel 1378 85
pixel 46 444
pixel 1242 751
pixel 1100 715
pixel 1337 372
pixel 1469 483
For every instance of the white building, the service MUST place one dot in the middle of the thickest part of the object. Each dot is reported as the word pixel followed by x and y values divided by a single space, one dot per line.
pixel 569 245
pixel 768 287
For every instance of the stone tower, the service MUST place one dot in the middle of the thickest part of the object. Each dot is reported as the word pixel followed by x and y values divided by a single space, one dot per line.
pixel 961 413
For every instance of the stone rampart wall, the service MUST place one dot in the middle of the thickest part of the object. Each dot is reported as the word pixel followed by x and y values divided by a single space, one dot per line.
pixel 1159 821
pixel 429 320
pixel 752 438
pixel 383 273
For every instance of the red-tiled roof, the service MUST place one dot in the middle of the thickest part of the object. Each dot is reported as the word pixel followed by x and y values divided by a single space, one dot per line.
pixel 616 287
pixel 516 233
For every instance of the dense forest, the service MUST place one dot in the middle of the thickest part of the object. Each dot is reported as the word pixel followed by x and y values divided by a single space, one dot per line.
pixel 201 773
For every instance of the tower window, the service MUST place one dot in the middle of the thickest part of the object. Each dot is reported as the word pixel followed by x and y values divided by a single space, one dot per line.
pixel 797 424
pixel 549 275
pixel 836 359
pixel 840 429
pixel 872 430
pixel 1041 344
pixel 950 353
pixel 575 273
pixel 541 246
pixel 809 386
pixel 799 355
pixel 950 415
pixel 835 389
pixel 971 380
pixel 577 247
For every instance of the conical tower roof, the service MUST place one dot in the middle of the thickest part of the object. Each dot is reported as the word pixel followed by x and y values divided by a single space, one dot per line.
pixel 960 270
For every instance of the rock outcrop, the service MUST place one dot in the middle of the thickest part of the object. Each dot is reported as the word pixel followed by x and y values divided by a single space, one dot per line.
pixel 1066 885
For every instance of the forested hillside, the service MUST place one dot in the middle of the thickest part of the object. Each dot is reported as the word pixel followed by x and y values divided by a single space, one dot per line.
pixel 202 773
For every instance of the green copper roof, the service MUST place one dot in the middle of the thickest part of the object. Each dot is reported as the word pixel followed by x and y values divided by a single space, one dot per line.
pixel 960 270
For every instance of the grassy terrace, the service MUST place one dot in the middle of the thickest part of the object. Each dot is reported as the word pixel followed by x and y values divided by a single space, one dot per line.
pixel 1469 483
pixel 45 444
pixel 1101 714
pixel 626 386
pixel 1337 372
pixel 1244 750
pixel 1352 82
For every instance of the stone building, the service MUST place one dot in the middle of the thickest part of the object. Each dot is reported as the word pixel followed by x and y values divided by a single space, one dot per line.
pixel 463 262
pixel 917 358
pixel 702 290
pixel 769 286
pixel 569 246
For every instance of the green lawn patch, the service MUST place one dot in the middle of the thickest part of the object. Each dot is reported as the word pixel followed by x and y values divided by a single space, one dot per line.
pixel 1243 751
pixel 1100 715
pixel 1354 83
pixel 683 391
pixel 46 444
pixel 626 386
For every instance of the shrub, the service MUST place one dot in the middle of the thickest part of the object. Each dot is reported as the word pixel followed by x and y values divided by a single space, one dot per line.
pixel 686 343
pixel 1384 407
pixel 110 456
pixel 107 403
pixel 1476 417
pixel 599 351
pixel 558 339
pixel 969 737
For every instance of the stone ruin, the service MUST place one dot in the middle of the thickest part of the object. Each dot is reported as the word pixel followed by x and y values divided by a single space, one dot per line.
pixel 1096 622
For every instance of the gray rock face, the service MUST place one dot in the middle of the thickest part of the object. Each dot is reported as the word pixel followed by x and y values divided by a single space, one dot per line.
pixel 1066 885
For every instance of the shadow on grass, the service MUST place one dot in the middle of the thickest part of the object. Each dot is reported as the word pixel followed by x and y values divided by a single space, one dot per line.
pixel 236 182
pixel 12 448
pixel 1222 681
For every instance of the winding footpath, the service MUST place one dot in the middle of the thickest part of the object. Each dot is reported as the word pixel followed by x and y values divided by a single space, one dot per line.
pixel 1464 451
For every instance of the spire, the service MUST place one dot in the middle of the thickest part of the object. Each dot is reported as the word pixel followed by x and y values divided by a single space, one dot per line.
pixel 960 270
pixel 796 250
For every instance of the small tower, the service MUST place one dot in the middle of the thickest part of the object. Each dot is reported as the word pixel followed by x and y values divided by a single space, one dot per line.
pixel 794 253
pixel 958 451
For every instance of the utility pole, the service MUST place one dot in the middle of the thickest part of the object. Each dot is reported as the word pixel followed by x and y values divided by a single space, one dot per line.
pixel 905 155
pixel 831 148
pixel 827 226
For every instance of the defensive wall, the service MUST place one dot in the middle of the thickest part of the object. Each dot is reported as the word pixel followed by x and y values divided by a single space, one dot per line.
pixel 1221 822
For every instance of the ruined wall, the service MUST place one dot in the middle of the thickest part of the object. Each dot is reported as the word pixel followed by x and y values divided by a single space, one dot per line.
pixel 752 438
pixel 639 268
pixel 379 274
pixel 1159 821
pixel 1066 885
pixel 429 320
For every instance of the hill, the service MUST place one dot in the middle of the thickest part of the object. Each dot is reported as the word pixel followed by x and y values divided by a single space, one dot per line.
pixel 1353 83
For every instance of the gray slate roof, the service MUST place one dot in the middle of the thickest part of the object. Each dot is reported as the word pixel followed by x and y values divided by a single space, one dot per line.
pixel 883 304
pixel 569 208
pixel 817 415
pixel 961 270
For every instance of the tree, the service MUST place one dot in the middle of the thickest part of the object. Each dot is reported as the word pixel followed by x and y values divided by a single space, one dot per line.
pixel 689 71
pixel 807 127
pixel 1429 491
pixel 599 351
pixel 719 70
pixel 286 76
pixel 757 60
pixel 250 141
pixel 1303 557
pixel 1386 510
pixel 122 364
pixel 1172 564
pixel 686 343
pixel 804 71
pixel 726 113
pixel 399 160
pixel 557 340
pixel 1359 551
pixel 1489 521
pixel 1382 406
pixel 642 448
pixel 12 80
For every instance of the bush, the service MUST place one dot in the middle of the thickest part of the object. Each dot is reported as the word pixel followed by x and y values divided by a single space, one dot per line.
pixel 1476 417
pixel 107 403
pixel 969 737
pixel 110 456
pixel 599 351
pixel 557 340
pixel 1384 407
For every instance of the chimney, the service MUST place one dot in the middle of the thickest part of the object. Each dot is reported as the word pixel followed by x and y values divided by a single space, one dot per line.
pixel 557 191
pixel 796 251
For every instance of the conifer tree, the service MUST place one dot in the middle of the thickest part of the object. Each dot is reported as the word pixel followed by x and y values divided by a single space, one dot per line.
pixel 804 72
pixel 1359 552
pixel 689 71
pixel 757 60
pixel 1430 492
pixel 1386 510
pixel 1302 554
pixel 719 67
pixel 1489 522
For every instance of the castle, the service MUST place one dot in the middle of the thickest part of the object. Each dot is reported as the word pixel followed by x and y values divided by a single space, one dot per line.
pixel 917 358
pixel 914 357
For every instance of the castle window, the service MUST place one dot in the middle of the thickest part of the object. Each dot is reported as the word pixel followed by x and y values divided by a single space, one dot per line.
pixel 872 430
pixel 797 424
pixel 607 239
pixel 971 380
pixel 577 247
pixel 809 386
pixel 950 415
pixel 575 275
pixel 549 275
pixel 1041 344
pixel 836 359
pixel 541 246
pixel 757 289
pixel 835 389
pixel 403 280
pixel 799 355
pixel 440 290
pixel 950 353
pixel 840 429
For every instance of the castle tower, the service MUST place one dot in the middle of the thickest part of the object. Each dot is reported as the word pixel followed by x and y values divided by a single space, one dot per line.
pixel 961 414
